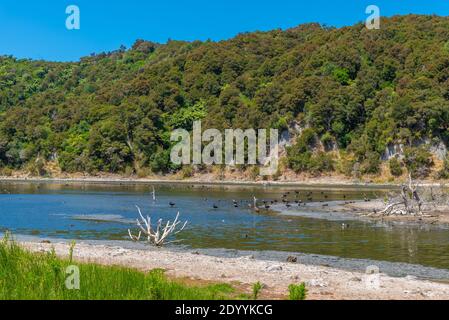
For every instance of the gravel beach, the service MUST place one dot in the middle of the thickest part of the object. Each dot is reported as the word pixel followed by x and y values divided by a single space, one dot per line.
pixel 323 282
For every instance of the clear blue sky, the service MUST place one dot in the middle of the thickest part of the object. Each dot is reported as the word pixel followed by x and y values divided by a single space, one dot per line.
pixel 36 29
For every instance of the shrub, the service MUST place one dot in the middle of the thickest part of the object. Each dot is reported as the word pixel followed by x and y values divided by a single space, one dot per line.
pixel 341 75
pixel 254 172
pixel 444 172
pixel 257 287
pixel 297 292
pixel 129 171
pixel 309 162
pixel 345 165
pixel 371 164
pixel 187 172
pixel 327 140
pixel 395 167
pixel 298 161
pixel 7 172
pixel 281 124
pixel 37 167
pixel 143 172
pixel 308 137
pixel 160 162
pixel 321 162
pixel 418 162
pixel 305 142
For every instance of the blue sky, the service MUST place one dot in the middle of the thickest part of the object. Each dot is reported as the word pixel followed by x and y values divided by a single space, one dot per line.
pixel 36 29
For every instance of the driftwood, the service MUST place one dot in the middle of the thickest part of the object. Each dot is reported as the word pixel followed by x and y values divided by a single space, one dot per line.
pixel 156 236
pixel 413 200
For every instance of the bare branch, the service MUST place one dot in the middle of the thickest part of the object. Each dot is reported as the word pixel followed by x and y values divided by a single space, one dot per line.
pixel 159 235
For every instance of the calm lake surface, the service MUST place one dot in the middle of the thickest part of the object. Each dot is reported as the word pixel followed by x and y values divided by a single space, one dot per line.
pixel 105 212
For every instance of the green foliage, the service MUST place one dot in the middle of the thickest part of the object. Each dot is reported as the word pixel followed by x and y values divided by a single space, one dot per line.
pixel 21 270
pixel 257 287
pixel 446 46
pixel 7 172
pixel 418 161
pixel 160 161
pixel 306 141
pixel 341 75
pixel 371 163
pixel 443 173
pixel 327 140
pixel 114 111
pixel 281 124
pixel 395 167
pixel 346 166
pixel 321 162
pixel 185 117
pixel 297 292
pixel 298 161
pixel 187 172
pixel 307 161
pixel 37 167
pixel 302 158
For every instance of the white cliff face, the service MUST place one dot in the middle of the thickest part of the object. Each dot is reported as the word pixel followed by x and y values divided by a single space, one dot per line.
pixel 284 139
pixel 440 150
pixel 393 150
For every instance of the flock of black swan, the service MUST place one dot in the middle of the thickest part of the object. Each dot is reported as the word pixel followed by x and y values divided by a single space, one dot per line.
pixel 267 204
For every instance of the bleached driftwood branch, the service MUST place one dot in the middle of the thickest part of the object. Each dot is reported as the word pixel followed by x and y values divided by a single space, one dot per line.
pixel 156 236
pixel 413 200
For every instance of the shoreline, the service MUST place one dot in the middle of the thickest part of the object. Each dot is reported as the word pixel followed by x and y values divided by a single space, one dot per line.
pixel 323 281
pixel 322 182
pixel 390 268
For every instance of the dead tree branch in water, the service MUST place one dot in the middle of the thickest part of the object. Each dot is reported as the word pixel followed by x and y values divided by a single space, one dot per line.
pixel 156 236
pixel 414 200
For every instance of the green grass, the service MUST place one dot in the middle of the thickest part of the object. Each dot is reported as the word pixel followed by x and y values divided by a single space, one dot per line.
pixel 26 275
pixel 297 291
pixel 256 290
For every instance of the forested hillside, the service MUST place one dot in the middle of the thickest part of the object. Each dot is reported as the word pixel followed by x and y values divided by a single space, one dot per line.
pixel 352 93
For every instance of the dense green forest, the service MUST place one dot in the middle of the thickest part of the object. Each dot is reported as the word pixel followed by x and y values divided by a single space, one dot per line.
pixel 352 92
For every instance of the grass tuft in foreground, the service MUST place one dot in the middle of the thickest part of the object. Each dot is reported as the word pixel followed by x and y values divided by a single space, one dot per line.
pixel 26 275
pixel 297 291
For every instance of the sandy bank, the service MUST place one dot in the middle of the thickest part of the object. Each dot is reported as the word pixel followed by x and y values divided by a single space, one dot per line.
pixel 213 179
pixel 435 215
pixel 319 182
pixel 347 210
pixel 323 282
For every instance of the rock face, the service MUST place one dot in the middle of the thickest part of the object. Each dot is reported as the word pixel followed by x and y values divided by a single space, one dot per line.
pixel 285 139
pixel 440 150
pixel 392 151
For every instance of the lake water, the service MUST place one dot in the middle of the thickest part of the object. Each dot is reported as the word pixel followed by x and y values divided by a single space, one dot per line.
pixel 105 212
